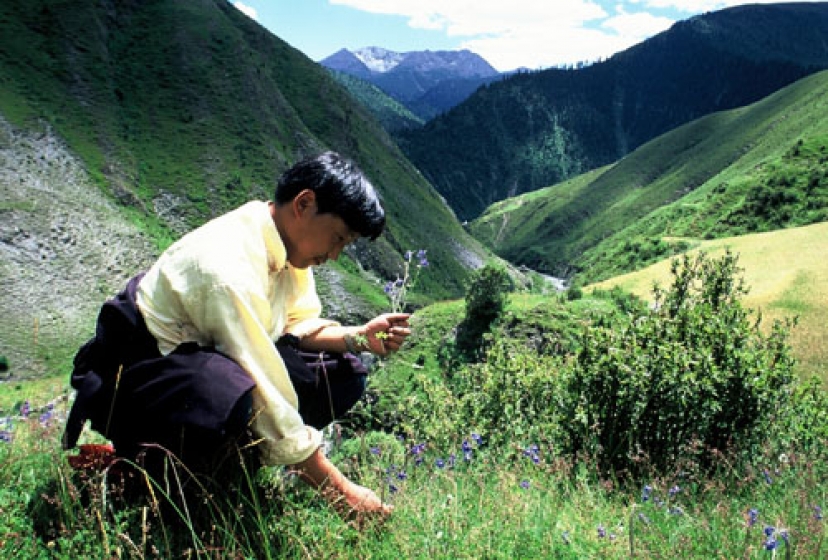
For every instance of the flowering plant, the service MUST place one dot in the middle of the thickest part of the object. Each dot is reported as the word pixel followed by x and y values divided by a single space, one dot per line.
pixel 396 290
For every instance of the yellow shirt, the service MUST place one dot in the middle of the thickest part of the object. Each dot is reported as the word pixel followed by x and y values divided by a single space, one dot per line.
pixel 227 284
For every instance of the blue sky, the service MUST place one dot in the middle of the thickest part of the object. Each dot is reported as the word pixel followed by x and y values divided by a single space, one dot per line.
pixel 508 34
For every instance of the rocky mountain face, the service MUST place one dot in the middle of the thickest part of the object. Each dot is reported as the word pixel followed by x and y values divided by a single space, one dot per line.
pixel 426 82
pixel 64 247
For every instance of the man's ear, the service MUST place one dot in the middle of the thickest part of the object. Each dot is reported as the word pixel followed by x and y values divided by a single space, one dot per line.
pixel 304 202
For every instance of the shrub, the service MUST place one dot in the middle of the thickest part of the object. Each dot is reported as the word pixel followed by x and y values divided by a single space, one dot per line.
pixel 692 375
pixel 485 301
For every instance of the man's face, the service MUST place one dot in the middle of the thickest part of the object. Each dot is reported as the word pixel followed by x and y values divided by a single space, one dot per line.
pixel 316 237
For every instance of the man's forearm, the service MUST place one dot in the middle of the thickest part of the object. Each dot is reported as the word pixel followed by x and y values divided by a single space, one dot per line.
pixel 333 339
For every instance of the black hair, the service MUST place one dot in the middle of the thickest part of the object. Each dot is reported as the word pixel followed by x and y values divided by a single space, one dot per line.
pixel 341 189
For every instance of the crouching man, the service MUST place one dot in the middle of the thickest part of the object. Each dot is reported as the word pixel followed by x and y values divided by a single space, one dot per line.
pixel 222 338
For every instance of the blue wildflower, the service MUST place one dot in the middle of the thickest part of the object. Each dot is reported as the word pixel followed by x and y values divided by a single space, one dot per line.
pixel 439 463
pixel 771 543
pixel 525 484
pixel 25 409
pixel 818 513
pixel 478 440
pixel 401 475
pixel 674 490
pixel 533 453
pixel 467 450
pixel 767 476
pixel 375 450
pixel 753 516
pixel 769 530
pixel 645 493
pixel 675 510
pixel 602 532
pixel 6 436
pixel 393 488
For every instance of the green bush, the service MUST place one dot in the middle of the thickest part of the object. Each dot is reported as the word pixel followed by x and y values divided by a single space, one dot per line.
pixel 695 374
pixel 485 301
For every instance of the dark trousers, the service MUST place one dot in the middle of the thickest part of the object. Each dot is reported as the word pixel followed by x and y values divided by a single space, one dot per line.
pixel 194 403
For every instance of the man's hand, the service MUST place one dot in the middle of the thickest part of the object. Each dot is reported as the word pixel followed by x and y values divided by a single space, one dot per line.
pixel 352 501
pixel 386 333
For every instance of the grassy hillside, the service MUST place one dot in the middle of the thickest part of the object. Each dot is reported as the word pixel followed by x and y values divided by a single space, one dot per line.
pixel 785 271
pixel 757 168
pixel 535 129
pixel 177 112
pixel 388 111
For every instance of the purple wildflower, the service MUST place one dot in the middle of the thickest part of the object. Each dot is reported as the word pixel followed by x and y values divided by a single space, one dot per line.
pixel 602 532
pixel 47 414
pixel 439 463
pixel 674 490
pixel 375 450
pixel 753 516
pixel 817 513
pixel 769 530
pixel 771 543
pixel 467 450
pixel 645 493
pixel 25 409
pixel 767 476
pixel 525 484
pixel 6 436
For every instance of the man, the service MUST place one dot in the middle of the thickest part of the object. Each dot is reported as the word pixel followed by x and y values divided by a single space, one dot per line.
pixel 211 339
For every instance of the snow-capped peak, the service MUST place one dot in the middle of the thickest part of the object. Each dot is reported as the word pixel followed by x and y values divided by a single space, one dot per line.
pixel 378 59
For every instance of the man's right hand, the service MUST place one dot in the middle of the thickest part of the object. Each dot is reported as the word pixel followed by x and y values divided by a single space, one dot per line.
pixel 349 499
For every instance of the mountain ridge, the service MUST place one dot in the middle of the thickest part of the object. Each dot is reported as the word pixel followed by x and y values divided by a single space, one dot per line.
pixel 426 82
pixel 530 130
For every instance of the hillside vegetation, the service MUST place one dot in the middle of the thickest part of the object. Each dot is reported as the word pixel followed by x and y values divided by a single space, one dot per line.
pixel 535 129
pixel 785 273
pixel 756 168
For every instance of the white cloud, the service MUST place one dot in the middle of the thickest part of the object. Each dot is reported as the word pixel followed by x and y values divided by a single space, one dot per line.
pixel 247 10
pixel 530 33
pixel 637 26
pixel 541 33
pixel 699 6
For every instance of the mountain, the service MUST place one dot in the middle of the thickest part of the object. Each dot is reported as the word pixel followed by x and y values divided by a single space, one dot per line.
pixel 124 124
pixel 530 130
pixel 753 169
pixel 426 82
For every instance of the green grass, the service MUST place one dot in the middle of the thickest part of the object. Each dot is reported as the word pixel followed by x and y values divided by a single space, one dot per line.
pixel 500 503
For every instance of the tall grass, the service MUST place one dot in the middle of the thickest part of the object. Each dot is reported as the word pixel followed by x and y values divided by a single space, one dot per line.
pixel 470 500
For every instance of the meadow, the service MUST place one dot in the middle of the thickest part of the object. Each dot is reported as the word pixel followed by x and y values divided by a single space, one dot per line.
pixel 477 453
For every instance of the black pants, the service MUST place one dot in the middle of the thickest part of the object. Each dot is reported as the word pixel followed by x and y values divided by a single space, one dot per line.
pixel 194 402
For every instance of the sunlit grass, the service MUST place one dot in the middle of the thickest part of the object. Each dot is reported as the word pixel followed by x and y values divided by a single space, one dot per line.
pixel 780 269
pixel 467 501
